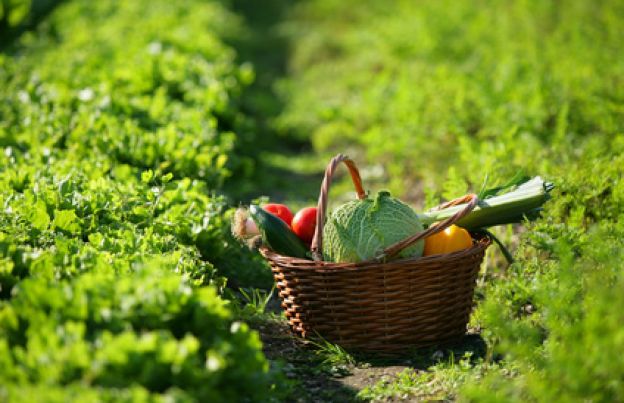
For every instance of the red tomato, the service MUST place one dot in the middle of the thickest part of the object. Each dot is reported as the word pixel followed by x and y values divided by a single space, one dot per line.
pixel 279 210
pixel 304 223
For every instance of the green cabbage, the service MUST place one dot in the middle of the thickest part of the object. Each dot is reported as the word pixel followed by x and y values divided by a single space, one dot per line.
pixel 360 229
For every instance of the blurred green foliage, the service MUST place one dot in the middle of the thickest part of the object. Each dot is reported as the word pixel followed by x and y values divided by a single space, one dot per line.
pixel 12 13
pixel 421 88
pixel 438 94
pixel 17 16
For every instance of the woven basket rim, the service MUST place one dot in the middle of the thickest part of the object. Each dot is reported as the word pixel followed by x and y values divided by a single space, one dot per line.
pixel 479 245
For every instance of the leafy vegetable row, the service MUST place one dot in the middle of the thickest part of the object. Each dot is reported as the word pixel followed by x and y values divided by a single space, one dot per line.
pixel 118 126
pixel 149 330
pixel 152 98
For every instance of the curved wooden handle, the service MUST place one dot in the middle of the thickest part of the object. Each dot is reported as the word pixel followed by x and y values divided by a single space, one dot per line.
pixel 317 240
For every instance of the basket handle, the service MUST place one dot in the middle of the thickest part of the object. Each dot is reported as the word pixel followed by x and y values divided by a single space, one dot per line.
pixel 317 240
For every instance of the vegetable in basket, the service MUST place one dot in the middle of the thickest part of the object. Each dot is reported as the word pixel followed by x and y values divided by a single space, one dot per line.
pixel 304 224
pixel 384 228
pixel 358 230
pixel 351 236
pixel 276 234
pixel 452 239
pixel 524 202
pixel 280 210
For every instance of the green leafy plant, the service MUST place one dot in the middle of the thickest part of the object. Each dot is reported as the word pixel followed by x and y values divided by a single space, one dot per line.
pixel 334 359
pixel 252 303
pixel 117 135
pixel 149 328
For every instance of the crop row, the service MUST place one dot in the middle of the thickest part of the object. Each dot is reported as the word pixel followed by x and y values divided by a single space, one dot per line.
pixel 118 126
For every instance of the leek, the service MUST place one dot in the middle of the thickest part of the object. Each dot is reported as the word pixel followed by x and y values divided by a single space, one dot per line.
pixel 522 203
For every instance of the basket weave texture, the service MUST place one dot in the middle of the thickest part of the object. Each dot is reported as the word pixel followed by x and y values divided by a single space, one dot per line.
pixel 381 305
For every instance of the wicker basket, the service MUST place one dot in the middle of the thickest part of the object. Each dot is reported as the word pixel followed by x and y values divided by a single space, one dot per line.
pixel 382 305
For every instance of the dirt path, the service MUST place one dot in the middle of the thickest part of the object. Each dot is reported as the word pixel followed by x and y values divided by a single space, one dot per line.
pixel 320 374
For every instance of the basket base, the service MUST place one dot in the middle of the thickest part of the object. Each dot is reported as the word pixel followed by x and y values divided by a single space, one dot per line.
pixel 384 308
pixel 380 344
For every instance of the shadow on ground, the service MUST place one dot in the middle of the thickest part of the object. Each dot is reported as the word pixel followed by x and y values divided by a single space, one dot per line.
pixel 38 11
pixel 321 377
pixel 267 49
pixel 423 358
pixel 299 362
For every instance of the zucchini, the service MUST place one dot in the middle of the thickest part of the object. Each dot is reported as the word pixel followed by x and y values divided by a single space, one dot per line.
pixel 276 234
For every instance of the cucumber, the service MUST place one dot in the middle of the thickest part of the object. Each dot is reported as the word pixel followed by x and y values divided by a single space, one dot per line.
pixel 276 234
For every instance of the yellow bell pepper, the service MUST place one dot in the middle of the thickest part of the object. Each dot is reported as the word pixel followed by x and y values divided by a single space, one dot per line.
pixel 452 239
